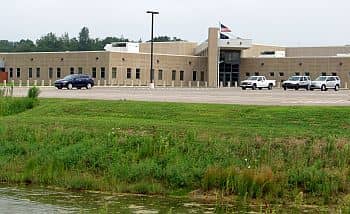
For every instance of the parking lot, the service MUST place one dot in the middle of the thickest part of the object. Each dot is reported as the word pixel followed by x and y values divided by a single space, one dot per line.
pixel 276 96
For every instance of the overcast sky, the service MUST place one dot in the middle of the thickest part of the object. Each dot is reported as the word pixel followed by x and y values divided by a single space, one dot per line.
pixel 280 22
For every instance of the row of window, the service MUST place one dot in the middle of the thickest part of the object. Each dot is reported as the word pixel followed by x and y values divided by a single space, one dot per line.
pixel 51 71
pixel 160 74
pixel 103 73
pixel 281 74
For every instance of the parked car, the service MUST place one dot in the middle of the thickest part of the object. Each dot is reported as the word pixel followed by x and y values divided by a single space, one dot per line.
pixel 326 82
pixel 75 81
pixel 296 82
pixel 259 82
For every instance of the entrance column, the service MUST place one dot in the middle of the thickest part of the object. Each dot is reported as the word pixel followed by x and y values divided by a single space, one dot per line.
pixel 213 57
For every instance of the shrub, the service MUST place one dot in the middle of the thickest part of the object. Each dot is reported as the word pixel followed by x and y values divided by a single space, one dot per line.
pixel 33 92
pixel 10 106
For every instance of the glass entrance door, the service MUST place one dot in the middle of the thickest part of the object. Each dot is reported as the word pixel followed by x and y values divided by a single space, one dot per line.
pixel 228 74
pixel 229 67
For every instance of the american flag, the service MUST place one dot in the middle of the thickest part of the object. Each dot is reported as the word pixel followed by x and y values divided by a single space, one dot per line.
pixel 223 28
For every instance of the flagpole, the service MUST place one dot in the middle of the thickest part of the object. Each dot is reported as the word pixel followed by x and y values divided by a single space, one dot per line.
pixel 218 58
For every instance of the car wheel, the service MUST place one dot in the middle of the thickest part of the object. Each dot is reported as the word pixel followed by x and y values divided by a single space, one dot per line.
pixel 254 87
pixel 323 88
pixel 88 86
pixel 307 87
pixel 336 88
pixel 296 87
pixel 70 86
pixel 270 87
pixel 285 88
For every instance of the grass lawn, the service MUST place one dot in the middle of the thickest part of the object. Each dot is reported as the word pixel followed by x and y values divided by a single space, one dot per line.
pixel 270 153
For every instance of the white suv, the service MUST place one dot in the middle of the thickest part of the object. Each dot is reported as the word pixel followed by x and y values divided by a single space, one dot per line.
pixel 326 82
pixel 296 82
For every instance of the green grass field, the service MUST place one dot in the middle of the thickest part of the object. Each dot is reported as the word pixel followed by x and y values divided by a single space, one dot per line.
pixel 277 154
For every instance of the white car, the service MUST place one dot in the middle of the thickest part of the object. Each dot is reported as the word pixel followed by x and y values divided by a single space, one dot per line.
pixel 259 82
pixel 326 82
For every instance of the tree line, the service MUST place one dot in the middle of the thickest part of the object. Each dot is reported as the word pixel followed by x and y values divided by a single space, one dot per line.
pixel 52 43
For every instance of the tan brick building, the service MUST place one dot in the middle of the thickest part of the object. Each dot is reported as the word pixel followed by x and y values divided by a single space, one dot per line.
pixel 213 63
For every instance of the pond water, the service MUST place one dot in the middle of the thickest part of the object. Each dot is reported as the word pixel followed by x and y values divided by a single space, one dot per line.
pixel 41 200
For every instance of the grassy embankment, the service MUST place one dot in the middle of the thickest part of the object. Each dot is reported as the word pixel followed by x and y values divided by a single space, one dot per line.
pixel 271 153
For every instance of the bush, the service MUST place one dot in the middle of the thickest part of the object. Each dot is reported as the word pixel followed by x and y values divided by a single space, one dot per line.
pixel 10 106
pixel 33 92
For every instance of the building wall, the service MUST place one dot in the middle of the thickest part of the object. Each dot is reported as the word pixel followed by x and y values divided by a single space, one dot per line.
pixel 256 50
pixel 213 54
pixel 110 62
pixel 314 66
pixel 62 61
pixel 167 63
pixel 317 51
pixel 173 48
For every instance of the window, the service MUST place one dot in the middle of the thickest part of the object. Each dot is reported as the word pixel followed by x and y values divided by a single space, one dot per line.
pixel 103 72
pixel 173 75
pixel 272 74
pixel 247 74
pixel 334 74
pixel 281 74
pixel 194 75
pixel 11 72
pixel 71 70
pixel 128 73
pixel 18 73
pixel 58 73
pixel 30 72
pixel 114 73
pixel 256 73
pixel 94 72
pixel 202 76
pixel 37 72
pixel 324 74
pixel 181 75
pixel 50 73
pixel 80 70
pixel 307 73
pixel 138 73
pixel 160 75
pixel 297 73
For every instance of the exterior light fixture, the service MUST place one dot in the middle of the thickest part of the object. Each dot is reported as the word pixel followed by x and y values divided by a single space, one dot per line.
pixel 152 26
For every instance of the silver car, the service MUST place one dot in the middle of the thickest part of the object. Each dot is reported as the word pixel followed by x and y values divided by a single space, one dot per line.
pixel 296 82
pixel 326 82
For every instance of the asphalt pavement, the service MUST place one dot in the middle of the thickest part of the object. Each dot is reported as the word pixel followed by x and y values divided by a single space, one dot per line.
pixel 276 96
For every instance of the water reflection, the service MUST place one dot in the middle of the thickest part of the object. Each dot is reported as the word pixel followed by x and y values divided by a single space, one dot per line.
pixel 39 200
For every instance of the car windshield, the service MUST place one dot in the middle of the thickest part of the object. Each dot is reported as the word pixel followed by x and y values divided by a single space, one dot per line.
pixel 321 78
pixel 252 78
pixel 294 78
pixel 69 77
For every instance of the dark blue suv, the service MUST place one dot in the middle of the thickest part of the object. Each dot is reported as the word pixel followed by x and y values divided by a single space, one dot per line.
pixel 75 81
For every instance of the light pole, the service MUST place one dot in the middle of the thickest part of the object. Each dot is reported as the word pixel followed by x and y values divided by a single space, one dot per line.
pixel 151 71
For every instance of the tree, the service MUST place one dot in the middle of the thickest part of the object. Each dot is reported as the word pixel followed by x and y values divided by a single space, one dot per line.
pixel 25 46
pixel 84 39
pixel 65 42
pixel 7 46
pixel 49 43
pixel 165 39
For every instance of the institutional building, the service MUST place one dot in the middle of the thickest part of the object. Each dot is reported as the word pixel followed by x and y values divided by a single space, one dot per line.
pixel 213 63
